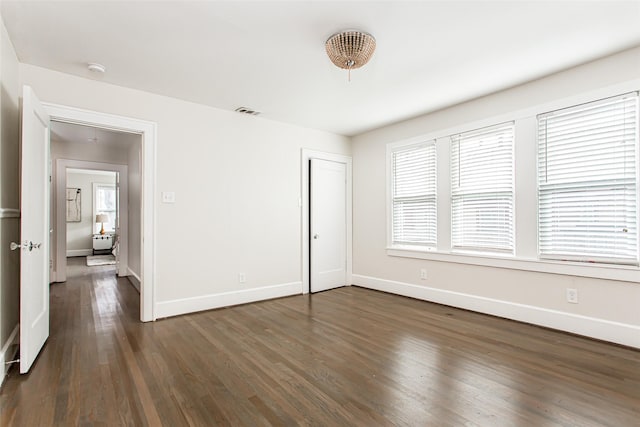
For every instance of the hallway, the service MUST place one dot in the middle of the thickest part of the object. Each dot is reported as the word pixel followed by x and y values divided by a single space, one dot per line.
pixel 74 378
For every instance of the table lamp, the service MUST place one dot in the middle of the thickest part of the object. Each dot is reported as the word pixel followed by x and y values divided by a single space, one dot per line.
pixel 101 219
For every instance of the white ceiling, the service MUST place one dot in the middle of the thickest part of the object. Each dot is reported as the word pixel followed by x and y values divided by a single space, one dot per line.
pixel 69 132
pixel 90 172
pixel 269 56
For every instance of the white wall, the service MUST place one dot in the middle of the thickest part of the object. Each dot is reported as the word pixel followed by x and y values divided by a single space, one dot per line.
pixel 79 234
pixel 237 184
pixel 9 199
pixel 608 309
pixel 135 206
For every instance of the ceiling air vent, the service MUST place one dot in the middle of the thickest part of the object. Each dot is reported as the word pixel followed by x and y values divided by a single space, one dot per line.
pixel 245 110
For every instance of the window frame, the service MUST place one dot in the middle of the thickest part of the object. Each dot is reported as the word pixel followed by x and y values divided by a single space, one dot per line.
pixel 391 149
pixel 97 226
pixel 526 256
pixel 511 191
pixel 589 259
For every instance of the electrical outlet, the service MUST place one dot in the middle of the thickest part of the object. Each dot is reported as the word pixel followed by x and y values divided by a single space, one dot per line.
pixel 423 274
pixel 242 278
pixel 572 295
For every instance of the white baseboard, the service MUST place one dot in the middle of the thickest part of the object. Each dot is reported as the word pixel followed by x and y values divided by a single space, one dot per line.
pixel 620 333
pixel 8 352
pixel 225 299
pixel 79 252
pixel 134 278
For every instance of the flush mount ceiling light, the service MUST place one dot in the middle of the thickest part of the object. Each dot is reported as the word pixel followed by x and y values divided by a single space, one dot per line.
pixel 249 111
pixel 350 49
pixel 94 67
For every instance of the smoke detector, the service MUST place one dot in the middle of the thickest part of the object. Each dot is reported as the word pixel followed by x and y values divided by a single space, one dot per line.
pixel 94 67
pixel 249 111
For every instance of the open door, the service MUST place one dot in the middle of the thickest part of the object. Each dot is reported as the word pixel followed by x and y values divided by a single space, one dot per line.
pixel 328 224
pixel 34 230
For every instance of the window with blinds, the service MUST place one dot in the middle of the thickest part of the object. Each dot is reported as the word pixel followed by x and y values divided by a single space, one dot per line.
pixel 482 189
pixel 587 181
pixel 414 195
pixel 104 199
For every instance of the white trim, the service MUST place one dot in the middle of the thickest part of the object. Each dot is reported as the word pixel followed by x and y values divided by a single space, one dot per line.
pixel 307 155
pixel 60 233
pixel 5 356
pixel 580 182
pixel 133 273
pixel 525 196
pixel 79 252
pixel 90 172
pixel 390 150
pixel 621 333
pixel 224 299
pixel 626 273
pixel 134 279
pixel 148 130
pixel 9 213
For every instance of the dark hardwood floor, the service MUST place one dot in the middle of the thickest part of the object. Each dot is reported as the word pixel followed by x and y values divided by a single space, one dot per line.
pixel 350 356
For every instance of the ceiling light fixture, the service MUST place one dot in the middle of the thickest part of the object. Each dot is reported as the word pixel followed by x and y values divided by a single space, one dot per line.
pixel 249 111
pixel 350 49
pixel 96 68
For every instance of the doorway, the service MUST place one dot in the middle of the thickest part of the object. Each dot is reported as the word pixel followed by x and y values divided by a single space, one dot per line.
pixel 326 260
pixel 59 215
pixel 147 133
pixel 92 210
pixel 36 207
pixel 89 195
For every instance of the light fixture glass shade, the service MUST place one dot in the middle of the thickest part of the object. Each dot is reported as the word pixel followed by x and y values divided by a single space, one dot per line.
pixel 350 49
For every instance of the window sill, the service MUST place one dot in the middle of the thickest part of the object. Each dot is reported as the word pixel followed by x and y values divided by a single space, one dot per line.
pixel 625 273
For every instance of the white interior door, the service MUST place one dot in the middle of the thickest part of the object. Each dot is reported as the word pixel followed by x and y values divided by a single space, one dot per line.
pixel 34 230
pixel 328 224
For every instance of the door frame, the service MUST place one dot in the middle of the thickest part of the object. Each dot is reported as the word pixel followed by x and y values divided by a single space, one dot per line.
pixel 148 131
pixel 305 202
pixel 61 225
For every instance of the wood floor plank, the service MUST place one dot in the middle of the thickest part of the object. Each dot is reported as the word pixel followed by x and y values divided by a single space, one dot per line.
pixel 349 356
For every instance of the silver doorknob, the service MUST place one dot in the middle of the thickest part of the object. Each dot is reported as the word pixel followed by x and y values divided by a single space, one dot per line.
pixel 316 236
pixel 27 246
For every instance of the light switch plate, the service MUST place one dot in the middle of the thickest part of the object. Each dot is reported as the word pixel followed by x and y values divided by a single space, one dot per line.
pixel 168 197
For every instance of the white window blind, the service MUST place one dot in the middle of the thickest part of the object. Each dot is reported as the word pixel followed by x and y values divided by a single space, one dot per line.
pixel 414 195
pixel 104 197
pixel 587 181
pixel 482 189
